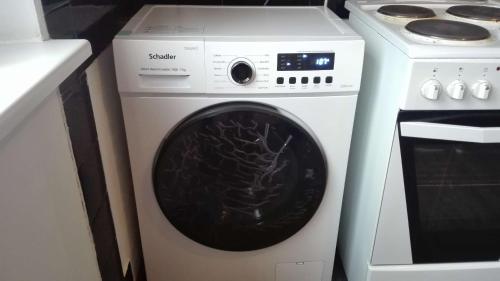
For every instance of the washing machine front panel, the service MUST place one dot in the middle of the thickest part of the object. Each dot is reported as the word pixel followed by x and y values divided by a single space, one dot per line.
pixel 168 252
pixel 239 176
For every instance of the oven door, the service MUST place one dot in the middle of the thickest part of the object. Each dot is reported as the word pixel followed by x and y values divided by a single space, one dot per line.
pixel 451 170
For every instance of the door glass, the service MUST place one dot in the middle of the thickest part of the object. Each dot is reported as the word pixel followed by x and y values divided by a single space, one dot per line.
pixel 453 196
pixel 239 177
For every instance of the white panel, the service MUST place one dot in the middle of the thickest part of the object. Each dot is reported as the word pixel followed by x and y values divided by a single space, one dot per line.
pixel 167 252
pixel 470 71
pixel 483 271
pixel 264 56
pixel 185 64
pixel 392 242
pixel 299 271
pixel 159 66
pixel 376 114
pixel 45 233
pixel 265 23
pixel 21 20
pixel 437 131
pixel 27 80
pixel 113 147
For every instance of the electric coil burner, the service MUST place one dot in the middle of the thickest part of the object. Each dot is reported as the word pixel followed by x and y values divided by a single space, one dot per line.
pixel 473 12
pixel 448 30
pixel 406 11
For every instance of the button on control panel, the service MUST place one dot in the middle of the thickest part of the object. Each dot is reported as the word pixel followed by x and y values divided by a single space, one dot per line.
pixel 304 80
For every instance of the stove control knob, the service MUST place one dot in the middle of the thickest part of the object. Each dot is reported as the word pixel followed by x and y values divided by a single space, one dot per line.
pixel 430 89
pixel 481 89
pixel 456 90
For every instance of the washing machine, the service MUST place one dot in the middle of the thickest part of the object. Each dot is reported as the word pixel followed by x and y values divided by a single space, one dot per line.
pixel 238 123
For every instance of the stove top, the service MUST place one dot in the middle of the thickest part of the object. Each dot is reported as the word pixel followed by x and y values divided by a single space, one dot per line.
pixel 421 25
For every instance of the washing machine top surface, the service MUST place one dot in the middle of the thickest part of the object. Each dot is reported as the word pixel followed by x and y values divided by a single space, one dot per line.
pixel 217 21
pixel 435 28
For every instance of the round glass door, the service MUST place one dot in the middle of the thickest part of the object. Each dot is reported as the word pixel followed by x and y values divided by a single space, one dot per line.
pixel 239 176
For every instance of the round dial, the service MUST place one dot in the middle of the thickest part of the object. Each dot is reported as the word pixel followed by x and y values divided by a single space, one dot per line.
pixel 481 89
pixel 456 89
pixel 242 72
pixel 430 90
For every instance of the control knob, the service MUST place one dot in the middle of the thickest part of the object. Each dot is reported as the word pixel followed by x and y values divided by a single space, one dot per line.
pixel 456 89
pixel 242 72
pixel 481 89
pixel 430 89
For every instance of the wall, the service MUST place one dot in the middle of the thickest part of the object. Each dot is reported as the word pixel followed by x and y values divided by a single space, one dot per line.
pixel 26 25
pixel 44 230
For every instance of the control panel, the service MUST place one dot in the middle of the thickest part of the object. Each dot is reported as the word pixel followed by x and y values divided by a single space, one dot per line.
pixel 453 85
pixel 291 67
pixel 222 67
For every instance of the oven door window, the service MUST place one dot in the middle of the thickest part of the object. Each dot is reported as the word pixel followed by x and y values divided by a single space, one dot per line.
pixel 453 198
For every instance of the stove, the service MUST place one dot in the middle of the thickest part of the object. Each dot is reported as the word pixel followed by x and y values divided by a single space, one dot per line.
pixel 394 16
pixel 428 108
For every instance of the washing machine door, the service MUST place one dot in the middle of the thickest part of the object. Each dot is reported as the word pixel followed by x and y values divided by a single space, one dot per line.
pixel 239 176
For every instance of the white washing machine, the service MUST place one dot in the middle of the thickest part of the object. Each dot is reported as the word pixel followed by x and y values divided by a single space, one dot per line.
pixel 239 123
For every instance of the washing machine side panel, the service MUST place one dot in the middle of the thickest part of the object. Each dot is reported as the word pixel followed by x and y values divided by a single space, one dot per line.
pixel 170 254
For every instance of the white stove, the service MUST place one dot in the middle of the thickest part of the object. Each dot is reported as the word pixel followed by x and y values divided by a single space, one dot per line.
pixel 452 62
pixel 416 46
pixel 421 191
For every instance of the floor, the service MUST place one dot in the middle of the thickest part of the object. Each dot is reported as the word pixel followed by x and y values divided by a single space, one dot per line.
pixel 338 270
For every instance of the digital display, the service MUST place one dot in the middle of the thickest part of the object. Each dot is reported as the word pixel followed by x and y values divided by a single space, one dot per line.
pixel 306 61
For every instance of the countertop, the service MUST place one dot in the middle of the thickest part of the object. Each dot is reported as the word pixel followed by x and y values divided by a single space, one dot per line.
pixel 31 71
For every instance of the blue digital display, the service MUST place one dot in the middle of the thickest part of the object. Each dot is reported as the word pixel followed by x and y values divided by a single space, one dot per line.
pixel 306 61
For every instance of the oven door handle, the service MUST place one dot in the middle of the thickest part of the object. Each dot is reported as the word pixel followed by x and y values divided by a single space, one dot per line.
pixel 438 131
